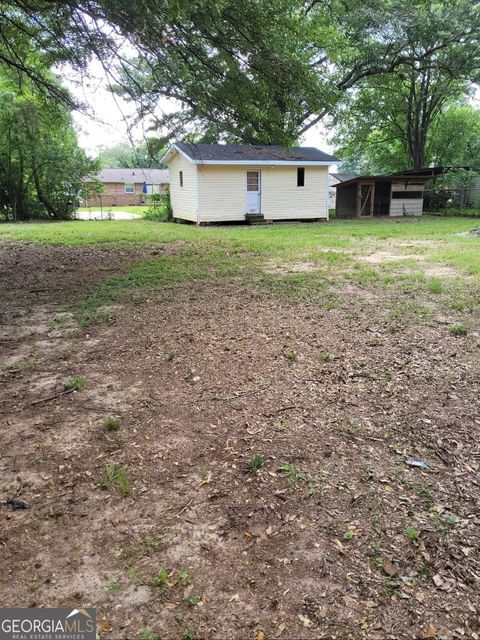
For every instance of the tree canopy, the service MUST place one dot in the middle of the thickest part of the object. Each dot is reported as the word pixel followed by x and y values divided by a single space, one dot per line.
pixel 386 71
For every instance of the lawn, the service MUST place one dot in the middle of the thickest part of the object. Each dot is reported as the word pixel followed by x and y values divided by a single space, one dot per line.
pixel 220 431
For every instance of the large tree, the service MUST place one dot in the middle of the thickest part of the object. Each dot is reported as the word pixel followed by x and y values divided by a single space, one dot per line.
pixel 390 116
pixel 243 69
pixel 42 168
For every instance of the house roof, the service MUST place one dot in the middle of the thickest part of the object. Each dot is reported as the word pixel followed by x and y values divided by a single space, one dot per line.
pixel 342 177
pixel 249 154
pixel 150 176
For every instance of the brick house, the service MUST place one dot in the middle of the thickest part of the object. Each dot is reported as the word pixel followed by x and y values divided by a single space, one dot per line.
pixel 128 186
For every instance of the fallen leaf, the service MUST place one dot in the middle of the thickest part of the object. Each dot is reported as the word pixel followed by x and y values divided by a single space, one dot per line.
pixel 429 632
pixel 307 623
pixel 260 635
pixel 389 568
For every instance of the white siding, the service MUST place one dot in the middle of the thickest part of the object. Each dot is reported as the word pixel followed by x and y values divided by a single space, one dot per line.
pixel 403 207
pixel 222 190
pixel 183 199
pixel 283 200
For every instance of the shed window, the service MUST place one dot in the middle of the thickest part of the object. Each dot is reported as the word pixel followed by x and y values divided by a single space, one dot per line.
pixel 180 174
pixel 300 177
pixel 129 187
pixel 407 195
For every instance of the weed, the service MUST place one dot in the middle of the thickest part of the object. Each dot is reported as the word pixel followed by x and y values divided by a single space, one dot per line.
pixel 459 330
pixel 424 492
pixel 132 574
pixel 113 587
pixel 148 635
pixel 412 534
pixel 192 600
pixel 294 475
pixel 291 356
pixel 116 475
pixel 111 423
pixel 189 633
pixel 33 585
pixel 348 535
pixel 184 578
pixel 435 285
pixel 326 357
pixel 75 384
pixel 160 578
pixel 377 546
pixel 256 463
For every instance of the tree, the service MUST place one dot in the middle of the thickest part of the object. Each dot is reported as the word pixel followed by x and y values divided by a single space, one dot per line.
pixel 42 169
pixel 390 116
pixel 146 154
pixel 266 72
pixel 454 140
pixel 243 70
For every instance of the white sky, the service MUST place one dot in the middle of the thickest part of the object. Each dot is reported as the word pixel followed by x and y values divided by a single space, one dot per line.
pixel 107 124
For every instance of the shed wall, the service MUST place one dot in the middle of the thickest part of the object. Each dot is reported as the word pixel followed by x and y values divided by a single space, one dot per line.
pixel 183 199
pixel 406 207
pixel 222 191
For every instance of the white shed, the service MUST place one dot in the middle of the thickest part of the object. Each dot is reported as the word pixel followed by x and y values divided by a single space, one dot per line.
pixel 228 183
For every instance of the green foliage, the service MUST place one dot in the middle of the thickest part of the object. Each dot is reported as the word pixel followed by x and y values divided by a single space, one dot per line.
pixel 41 165
pixel 116 475
pixel 459 330
pixel 145 154
pixel 111 423
pixel 256 463
pixel 160 208
pixel 75 384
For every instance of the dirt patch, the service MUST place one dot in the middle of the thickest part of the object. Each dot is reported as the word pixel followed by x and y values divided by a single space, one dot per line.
pixel 440 271
pixel 385 256
pixel 286 268
pixel 333 535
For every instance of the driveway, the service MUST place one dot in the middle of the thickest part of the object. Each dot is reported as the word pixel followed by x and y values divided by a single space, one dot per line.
pixel 106 215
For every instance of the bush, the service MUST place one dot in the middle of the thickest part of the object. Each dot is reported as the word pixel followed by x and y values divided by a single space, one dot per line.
pixel 160 208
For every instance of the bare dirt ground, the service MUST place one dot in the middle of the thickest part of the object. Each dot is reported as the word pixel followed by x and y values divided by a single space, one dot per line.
pixel 334 536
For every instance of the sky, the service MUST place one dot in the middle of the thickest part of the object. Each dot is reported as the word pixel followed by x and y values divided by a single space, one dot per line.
pixel 107 123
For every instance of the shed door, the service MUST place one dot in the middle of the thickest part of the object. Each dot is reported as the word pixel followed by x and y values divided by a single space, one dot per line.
pixel 253 191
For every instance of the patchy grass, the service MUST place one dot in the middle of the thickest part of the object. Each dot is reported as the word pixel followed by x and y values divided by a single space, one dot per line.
pixel 111 423
pixel 75 384
pixel 225 342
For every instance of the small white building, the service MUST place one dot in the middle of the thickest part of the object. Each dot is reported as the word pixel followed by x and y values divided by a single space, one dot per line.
pixel 228 183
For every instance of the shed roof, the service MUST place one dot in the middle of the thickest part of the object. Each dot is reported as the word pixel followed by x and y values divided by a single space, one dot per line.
pixel 394 177
pixel 343 177
pixel 150 176
pixel 250 154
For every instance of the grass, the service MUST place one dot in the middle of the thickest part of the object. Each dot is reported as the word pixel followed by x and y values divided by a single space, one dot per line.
pixel 256 463
pixel 116 476
pixel 111 423
pixel 332 251
pixel 75 384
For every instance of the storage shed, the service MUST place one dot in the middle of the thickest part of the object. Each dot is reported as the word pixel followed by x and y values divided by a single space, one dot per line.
pixel 386 195
pixel 252 183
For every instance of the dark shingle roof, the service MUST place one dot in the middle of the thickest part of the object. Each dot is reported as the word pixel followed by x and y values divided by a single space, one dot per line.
pixel 249 153
pixel 150 176
pixel 341 177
